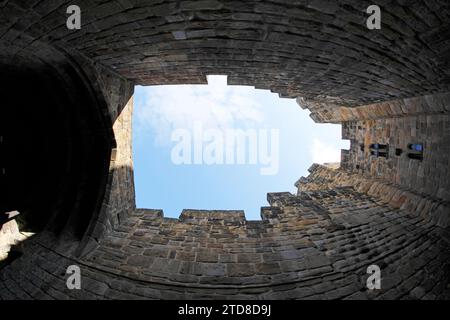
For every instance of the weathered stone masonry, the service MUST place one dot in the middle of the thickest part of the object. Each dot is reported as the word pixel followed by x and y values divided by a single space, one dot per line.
pixel 389 87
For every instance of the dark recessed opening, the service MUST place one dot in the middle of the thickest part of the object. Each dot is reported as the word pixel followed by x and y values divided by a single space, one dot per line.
pixel 379 150
pixel 415 151
pixel 415 156
pixel 56 156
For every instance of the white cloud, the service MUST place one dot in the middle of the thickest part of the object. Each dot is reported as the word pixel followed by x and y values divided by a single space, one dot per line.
pixel 324 153
pixel 216 105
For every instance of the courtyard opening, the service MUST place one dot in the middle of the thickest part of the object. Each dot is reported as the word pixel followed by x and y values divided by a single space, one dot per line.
pixel 232 143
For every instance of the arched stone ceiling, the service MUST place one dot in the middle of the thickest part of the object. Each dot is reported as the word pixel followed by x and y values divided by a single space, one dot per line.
pixel 317 49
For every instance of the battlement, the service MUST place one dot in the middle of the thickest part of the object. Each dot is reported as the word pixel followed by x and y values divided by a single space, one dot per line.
pixel 212 216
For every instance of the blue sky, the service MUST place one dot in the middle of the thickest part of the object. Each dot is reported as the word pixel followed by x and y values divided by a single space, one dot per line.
pixel 161 110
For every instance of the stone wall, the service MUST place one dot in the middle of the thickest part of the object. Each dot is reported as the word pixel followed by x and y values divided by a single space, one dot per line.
pixel 428 177
pixel 409 107
pixel 389 86
pixel 430 208
pixel 316 245
pixel 317 49
pixel 119 198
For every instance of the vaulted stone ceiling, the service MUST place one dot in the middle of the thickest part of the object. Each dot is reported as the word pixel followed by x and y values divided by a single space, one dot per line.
pixel 317 49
